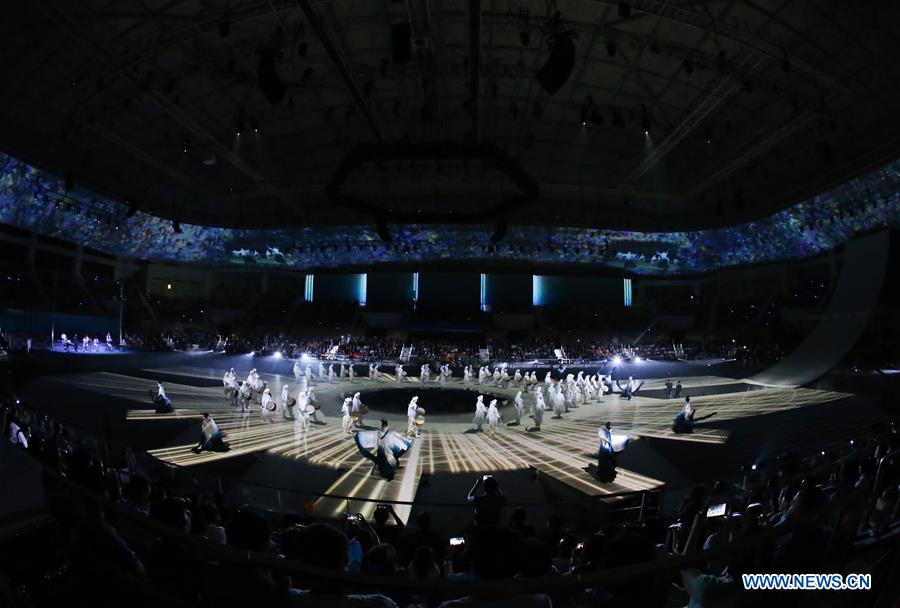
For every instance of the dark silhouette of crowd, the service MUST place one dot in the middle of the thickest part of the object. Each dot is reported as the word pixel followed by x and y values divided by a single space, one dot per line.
pixel 124 532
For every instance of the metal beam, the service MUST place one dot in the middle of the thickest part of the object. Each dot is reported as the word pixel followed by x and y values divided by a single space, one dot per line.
pixel 337 58
pixel 474 61
pixel 731 30
pixel 161 101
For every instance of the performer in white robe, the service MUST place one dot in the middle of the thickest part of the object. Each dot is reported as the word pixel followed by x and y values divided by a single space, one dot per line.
pixel 307 375
pixel 411 410
pixel 343 372
pixel 303 414
pixel 480 413
pixel 631 387
pixel 388 448
pixel 211 438
pixel 317 415
pixel 517 378
pixel 558 399
pixel 346 421
pixel 301 423
pixel 161 400
pixel 286 410
pixel 330 373
pixel 350 373
pixel 496 376
pixel 688 409
pixel 504 378
pixel 548 379
pixel 298 371
pixel 356 409
pixel 228 378
pixel 321 371
pixel 245 395
pixel 493 417
pixel 481 375
pixel 371 371
pixel 610 445
pixel 467 375
pixel 399 374
pixel 304 383
pixel 267 406
pixel 518 408
pixel 612 442
pixel 537 409
pixel 424 373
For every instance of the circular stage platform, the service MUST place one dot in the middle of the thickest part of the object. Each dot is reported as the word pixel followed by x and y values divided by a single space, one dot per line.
pixel 751 422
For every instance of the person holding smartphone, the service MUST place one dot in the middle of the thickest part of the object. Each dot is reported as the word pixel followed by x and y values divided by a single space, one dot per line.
pixel 488 503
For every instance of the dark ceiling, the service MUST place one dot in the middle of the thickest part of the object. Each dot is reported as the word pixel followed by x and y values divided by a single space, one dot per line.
pixel 748 106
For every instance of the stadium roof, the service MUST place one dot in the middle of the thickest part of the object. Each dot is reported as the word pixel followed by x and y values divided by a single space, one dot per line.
pixel 675 115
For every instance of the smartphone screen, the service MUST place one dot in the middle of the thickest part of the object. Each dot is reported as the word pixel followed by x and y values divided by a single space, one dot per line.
pixel 716 510
pixel 457 541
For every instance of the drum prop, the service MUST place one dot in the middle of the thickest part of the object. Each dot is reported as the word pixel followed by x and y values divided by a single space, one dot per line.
pixel 420 420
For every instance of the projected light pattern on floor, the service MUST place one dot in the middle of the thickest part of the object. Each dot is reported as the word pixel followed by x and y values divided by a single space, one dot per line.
pixel 562 450
pixel 33 200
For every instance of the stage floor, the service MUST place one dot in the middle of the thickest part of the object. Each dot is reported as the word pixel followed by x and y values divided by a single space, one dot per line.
pixel 750 424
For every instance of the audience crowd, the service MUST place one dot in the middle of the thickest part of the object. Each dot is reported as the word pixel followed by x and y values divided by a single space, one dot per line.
pixel 132 528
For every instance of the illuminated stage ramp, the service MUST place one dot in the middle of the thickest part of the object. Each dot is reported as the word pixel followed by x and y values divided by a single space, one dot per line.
pixel 844 320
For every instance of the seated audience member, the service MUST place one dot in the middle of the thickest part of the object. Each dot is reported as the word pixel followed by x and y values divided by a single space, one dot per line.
pixel 169 561
pixel 496 554
pixel 489 503
pixel 231 584
pixel 325 547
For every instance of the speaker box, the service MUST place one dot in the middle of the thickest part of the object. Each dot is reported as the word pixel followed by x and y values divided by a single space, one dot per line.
pixel 401 42
pixel 559 66
pixel 269 81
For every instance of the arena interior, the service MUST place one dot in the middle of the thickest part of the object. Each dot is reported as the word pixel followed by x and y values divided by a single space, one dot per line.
pixel 450 303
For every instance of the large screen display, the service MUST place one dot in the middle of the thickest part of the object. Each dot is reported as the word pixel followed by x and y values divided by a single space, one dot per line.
pixel 34 200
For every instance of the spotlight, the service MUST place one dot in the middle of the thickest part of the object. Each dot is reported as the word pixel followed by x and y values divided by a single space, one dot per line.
pixel 752 467
pixel 617 360
pixel 278 354
pixel 638 360
pixel 252 352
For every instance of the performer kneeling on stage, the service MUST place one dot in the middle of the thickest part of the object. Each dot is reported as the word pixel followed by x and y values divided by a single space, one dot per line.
pixel 610 444
pixel 211 438
pixel 388 446
pixel 685 419
pixel 161 400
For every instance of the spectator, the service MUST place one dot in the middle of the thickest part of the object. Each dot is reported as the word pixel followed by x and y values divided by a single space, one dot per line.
pixel 489 503
pixel 324 547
